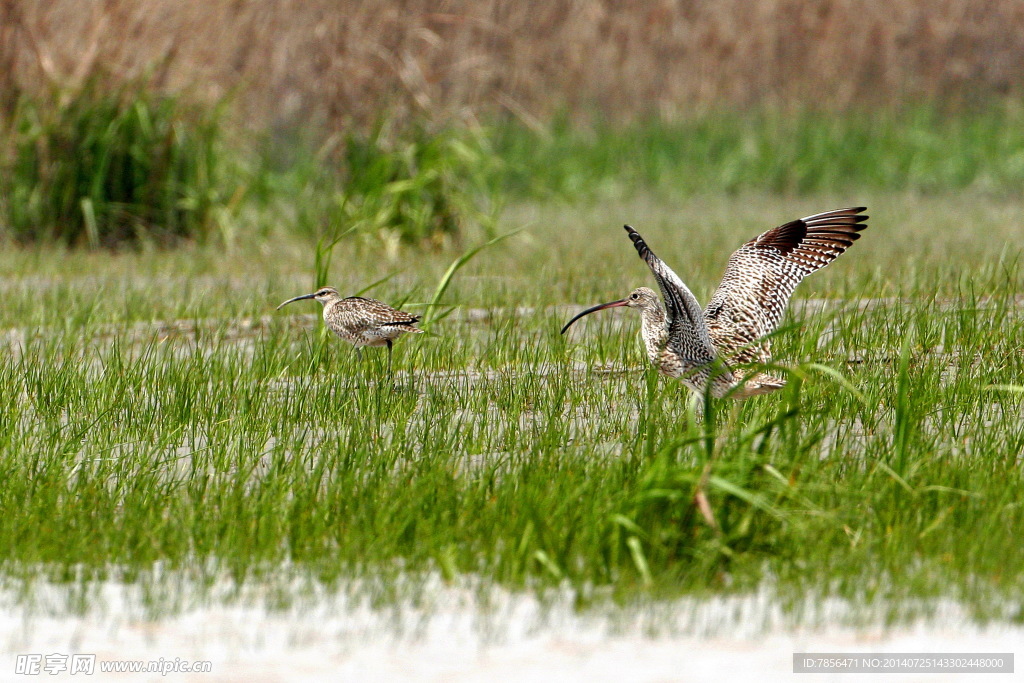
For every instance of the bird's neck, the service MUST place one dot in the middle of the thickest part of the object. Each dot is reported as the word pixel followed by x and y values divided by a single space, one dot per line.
pixel 654 331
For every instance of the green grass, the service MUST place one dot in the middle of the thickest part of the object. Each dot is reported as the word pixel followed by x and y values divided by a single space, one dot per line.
pixel 425 184
pixel 431 183
pixel 103 165
pixel 508 451
pixel 917 149
pixel 117 166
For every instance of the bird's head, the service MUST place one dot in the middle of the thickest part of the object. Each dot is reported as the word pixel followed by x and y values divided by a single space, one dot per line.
pixel 324 295
pixel 641 297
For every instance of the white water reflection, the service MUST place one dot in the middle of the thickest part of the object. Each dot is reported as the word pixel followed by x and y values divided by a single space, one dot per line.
pixel 445 632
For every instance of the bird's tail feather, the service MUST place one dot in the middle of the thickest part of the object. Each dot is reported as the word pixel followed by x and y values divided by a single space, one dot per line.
pixel 760 383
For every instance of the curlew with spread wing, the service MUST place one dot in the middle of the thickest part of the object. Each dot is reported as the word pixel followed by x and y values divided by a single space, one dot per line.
pixel 698 346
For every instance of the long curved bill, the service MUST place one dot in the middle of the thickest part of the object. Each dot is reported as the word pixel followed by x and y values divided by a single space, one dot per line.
pixel 298 298
pixel 599 307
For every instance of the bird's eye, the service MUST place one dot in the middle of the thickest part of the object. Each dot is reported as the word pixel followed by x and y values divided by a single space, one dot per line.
pixel 634 296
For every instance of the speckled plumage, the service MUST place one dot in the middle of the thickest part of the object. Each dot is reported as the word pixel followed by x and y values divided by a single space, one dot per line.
pixel 361 321
pixel 694 345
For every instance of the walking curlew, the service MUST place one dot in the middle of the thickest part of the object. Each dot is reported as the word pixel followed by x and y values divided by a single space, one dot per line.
pixel 696 345
pixel 361 321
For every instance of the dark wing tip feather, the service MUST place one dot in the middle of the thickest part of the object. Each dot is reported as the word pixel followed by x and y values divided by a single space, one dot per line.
pixel 851 217
pixel 840 227
pixel 785 238
pixel 638 241
pixel 407 321
pixel 848 211
pixel 649 257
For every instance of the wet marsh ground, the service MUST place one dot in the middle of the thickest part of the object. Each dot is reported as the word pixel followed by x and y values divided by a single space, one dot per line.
pixel 158 413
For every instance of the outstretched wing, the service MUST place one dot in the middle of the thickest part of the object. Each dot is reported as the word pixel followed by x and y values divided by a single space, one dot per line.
pixel 687 332
pixel 762 274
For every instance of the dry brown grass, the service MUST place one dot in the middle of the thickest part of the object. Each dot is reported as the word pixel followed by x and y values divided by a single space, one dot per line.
pixel 329 62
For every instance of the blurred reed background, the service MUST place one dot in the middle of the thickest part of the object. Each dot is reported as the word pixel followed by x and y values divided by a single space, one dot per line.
pixel 541 79
pixel 296 62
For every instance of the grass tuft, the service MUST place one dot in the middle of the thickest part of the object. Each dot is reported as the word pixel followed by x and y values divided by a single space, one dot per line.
pixel 104 165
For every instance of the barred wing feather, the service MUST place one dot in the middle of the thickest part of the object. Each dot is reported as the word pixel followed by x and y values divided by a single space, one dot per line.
pixel 687 331
pixel 762 274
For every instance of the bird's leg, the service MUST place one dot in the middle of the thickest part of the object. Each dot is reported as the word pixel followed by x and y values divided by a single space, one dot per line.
pixel 389 355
